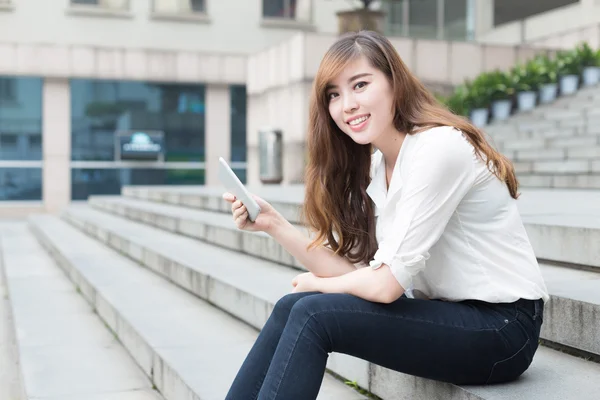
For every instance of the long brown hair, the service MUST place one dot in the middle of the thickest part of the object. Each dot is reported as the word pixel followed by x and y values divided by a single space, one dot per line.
pixel 336 204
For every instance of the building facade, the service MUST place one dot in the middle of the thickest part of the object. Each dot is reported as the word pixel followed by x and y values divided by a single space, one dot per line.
pixel 82 79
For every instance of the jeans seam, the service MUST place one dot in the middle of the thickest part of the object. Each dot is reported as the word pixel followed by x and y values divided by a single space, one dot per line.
pixel 292 352
pixel 506 359
pixel 260 382
pixel 410 319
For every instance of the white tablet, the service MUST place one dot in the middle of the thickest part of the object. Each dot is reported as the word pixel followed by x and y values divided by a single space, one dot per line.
pixel 233 185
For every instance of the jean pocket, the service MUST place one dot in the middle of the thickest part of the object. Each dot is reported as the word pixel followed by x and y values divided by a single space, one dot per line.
pixel 512 367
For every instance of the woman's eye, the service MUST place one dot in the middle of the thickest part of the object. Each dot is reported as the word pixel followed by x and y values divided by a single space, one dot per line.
pixel 360 85
pixel 330 96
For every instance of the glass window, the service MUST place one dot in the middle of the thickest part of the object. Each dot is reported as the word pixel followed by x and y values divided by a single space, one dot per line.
pixel 455 20
pixel 100 108
pixel 108 181
pixel 238 127
pixel 422 19
pixel 279 8
pixel 20 118
pixel 8 89
pixel 197 5
pixel 92 2
pixel 394 17
pixel 18 184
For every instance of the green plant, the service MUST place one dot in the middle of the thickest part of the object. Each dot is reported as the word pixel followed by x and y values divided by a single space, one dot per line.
pixel 587 57
pixel 527 77
pixel 568 63
pixel 499 85
pixel 457 102
pixel 477 93
pixel 546 68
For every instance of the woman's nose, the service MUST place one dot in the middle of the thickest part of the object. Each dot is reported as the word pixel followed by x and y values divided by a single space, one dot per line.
pixel 350 104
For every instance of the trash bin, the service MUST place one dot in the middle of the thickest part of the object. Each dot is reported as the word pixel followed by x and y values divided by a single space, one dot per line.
pixel 270 152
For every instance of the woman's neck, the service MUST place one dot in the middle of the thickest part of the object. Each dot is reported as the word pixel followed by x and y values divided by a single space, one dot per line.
pixel 390 146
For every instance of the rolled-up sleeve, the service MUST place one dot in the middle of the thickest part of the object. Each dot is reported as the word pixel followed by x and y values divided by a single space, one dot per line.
pixel 440 173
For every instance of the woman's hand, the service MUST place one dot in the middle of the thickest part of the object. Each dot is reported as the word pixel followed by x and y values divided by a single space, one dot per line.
pixel 306 282
pixel 265 220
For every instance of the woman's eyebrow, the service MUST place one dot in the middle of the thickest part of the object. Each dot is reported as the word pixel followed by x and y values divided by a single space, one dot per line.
pixel 330 86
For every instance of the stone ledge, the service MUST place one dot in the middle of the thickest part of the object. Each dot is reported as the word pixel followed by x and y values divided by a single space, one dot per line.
pixel 81 61
pixel 254 244
pixel 287 24
pixel 98 11
pixel 181 17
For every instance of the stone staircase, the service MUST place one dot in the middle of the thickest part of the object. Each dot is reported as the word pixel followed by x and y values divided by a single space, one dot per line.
pixel 555 145
pixel 174 295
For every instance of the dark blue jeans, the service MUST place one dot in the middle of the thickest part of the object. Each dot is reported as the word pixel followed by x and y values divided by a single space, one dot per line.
pixel 468 342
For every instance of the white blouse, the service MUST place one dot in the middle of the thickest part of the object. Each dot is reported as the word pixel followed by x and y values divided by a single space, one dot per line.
pixel 447 227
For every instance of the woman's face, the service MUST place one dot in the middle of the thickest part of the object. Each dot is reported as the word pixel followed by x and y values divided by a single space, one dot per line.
pixel 360 102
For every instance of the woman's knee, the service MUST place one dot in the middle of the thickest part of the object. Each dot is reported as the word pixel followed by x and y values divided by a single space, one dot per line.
pixel 284 305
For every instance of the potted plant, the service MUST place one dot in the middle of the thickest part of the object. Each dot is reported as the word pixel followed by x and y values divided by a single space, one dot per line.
pixel 568 69
pixel 548 77
pixel 526 79
pixel 589 63
pixel 501 92
pixel 360 19
pixel 477 101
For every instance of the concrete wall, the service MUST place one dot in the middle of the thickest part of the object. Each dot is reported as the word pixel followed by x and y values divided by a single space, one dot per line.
pixel 139 27
pixel 559 28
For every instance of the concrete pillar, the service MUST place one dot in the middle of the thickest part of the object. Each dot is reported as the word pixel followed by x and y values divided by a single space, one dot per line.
pixel 484 16
pixel 217 130
pixel 56 143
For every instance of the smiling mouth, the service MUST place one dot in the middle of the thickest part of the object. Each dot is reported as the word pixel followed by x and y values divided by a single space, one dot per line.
pixel 358 121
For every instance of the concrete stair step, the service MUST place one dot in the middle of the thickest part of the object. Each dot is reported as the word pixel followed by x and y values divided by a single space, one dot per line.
pixel 557 230
pixel 563 143
pixel 11 381
pixel 570 181
pixel 572 317
pixel 64 350
pixel 196 361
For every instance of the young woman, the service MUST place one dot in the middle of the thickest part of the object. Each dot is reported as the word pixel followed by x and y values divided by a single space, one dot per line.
pixel 421 262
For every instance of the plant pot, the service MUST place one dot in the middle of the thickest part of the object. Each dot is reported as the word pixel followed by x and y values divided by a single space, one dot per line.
pixel 591 76
pixel 568 84
pixel 479 117
pixel 501 110
pixel 526 100
pixel 548 93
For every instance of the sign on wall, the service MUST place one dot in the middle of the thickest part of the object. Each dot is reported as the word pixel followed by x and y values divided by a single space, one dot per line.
pixel 140 145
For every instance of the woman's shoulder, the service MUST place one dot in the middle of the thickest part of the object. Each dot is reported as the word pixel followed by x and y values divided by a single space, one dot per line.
pixel 440 134
pixel 443 138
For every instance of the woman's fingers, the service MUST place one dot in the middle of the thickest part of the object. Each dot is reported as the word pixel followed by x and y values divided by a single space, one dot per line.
pixel 235 205
pixel 228 197
pixel 241 220
pixel 239 211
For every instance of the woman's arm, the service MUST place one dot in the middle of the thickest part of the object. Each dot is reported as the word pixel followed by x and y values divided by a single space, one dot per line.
pixel 321 261
pixel 377 285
